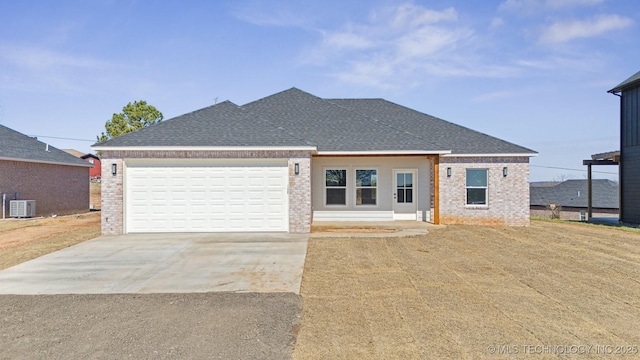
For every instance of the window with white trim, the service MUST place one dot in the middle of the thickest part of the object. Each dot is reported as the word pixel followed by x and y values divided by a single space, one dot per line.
pixel 476 186
pixel 335 181
pixel 366 187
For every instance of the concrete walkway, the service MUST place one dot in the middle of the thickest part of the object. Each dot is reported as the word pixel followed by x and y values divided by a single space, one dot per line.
pixel 165 263
pixel 370 229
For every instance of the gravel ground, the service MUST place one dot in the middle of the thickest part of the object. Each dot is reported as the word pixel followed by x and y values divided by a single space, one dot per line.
pixel 154 326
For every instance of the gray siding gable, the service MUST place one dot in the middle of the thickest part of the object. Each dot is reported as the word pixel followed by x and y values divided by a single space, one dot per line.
pixel 19 147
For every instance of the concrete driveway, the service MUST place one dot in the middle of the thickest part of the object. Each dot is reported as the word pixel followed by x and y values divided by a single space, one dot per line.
pixel 165 263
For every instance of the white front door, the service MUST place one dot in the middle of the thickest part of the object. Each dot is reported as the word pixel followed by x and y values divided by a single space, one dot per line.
pixel 404 195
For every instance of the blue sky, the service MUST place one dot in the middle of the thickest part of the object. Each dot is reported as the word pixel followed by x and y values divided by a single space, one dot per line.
pixel 533 72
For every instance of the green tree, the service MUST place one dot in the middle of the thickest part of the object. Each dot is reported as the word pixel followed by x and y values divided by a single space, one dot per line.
pixel 133 117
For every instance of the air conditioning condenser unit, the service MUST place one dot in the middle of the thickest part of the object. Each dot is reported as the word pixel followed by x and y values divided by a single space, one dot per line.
pixel 22 208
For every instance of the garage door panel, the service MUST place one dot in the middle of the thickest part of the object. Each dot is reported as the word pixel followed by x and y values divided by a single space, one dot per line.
pixel 206 198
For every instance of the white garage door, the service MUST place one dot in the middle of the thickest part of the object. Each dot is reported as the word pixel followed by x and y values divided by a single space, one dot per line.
pixel 206 197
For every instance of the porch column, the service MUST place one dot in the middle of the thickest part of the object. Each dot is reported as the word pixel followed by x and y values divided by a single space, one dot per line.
pixel 436 190
pixel 589 195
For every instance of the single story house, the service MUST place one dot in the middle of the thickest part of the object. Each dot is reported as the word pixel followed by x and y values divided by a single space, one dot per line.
pixel 96 168
pixel 33 170
pixel 284 161
pixel 571 196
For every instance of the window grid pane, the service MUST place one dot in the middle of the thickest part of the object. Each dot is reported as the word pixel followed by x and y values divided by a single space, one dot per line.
pixel 336 186
pixel 409 196
pixel 336 178
pixel 336 196
pixel 404 185
pixel 476 196
pixel 401 195
pixel 366 186
pixel 476 177
pixel 476 183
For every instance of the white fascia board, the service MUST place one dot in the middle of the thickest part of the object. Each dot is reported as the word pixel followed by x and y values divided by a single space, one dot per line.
pixel 44 162
pixel 386 152
pixel 491 155
pixel 204 148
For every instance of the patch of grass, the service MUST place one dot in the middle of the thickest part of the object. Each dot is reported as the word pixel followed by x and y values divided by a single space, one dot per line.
pixel 14 256
pixel 583 223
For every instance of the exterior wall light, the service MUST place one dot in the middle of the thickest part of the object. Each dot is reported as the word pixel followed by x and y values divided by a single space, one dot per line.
pixel 448 172
pixel 504 171
pixel 296 168
pixel 114 169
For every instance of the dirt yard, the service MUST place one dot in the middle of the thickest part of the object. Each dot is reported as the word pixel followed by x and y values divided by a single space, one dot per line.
pixel 95 195
pixel 26 239
pixel 552 290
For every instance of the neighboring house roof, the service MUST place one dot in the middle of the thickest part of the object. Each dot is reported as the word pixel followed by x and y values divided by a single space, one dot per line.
pixel 573 193
pixel 16 146
pixel 543 183
pixel 73 152
pixel 633 81
pixel 294 118
pixel 86 156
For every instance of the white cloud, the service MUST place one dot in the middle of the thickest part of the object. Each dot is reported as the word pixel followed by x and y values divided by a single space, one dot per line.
pixel 496 22
pixel 282 18
pixel 42 59
pixel 427 42
pixel 414 16
pixel 35 69
pixel 530 6
pixel 493 96
pixel 556 4
pixel 551 63
pixel 399 45
pixel 347 40
pixel 563 31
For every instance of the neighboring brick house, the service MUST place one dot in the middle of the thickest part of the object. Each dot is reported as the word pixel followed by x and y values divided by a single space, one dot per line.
pixel 33 170
pixel 571 196
pixel 290 159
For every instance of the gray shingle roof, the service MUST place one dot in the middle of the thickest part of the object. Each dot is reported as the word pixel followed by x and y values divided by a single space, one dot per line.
pixel 633 81
pixel 296 118
pixel 223 124
pixel 19 147
pixel 573 193
pixel 441 133
pixel 331 127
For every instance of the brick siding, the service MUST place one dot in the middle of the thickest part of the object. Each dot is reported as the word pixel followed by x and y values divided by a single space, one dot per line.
pixel 508 197
pixel 57 189
pixel 299 185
